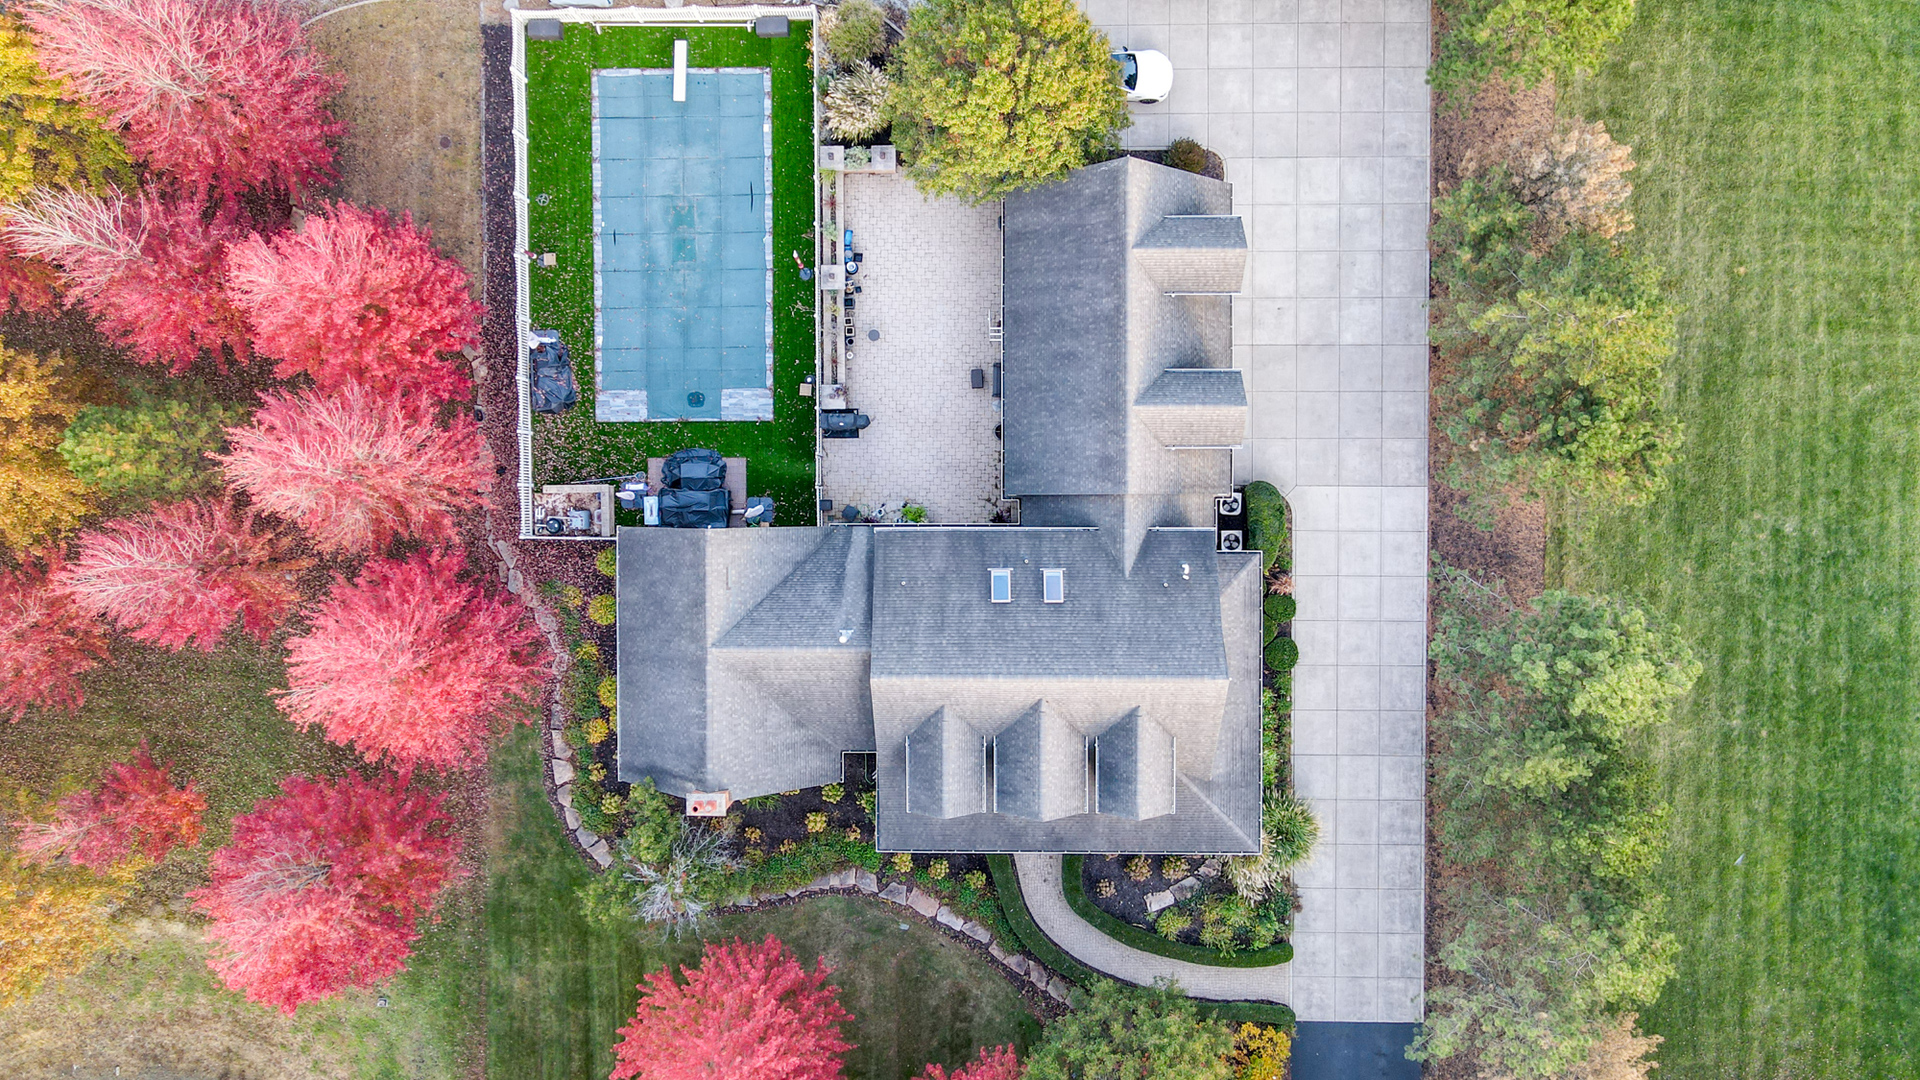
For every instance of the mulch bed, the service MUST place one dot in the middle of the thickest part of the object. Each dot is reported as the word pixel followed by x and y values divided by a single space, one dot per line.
pixel 1129 900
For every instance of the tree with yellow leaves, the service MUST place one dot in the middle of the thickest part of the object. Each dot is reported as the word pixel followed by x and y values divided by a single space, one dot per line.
pixel 39 495
pixel 46 138
pixel 53 921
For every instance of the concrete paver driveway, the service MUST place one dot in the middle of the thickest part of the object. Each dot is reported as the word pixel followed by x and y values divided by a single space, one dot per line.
pixel 1320 109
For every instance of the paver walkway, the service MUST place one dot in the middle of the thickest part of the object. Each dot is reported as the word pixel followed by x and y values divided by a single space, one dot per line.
pixel 1320 110
pixel 1040 887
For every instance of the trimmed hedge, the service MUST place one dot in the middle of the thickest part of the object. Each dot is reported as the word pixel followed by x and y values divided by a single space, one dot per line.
pixel 1267 525
pixel 1281 607
pixel 1006 883
pixel 1247 1012
pixel 1282 654
pixel 1148 942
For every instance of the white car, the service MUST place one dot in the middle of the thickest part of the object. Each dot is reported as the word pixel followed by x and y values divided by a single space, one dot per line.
pixel 1146 73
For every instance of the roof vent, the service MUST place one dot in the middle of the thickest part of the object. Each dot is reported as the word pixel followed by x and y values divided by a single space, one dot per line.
pixel 1055 585
pixel 1000 580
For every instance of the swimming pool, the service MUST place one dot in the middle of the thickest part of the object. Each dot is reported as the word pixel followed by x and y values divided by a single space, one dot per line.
pixel 682 229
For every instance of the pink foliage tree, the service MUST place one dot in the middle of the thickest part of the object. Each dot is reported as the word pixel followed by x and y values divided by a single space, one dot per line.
pixel 410 663
pixel 46 640
pixel 136 809
pixel 357 295
pixel 218 95
pixel 748 1012
pixel 323 886
pixel 994 1063
pixel 148 268
pixel 357 468
pixel 179 575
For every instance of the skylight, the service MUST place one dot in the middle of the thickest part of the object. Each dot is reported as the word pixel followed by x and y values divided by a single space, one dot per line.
pixel 1054 585
pixel 1001 579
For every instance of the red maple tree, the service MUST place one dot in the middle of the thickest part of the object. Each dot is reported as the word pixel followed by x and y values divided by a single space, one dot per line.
pixel 357 295
pixel 994 1063
pixel 179 575
pixel 410 663
pixel 748 1012
pixel 148 268
pixel 136 809
pixel 323 886
pixel 46 640
pixel 220 95
pixel 28 284
pixel 357 468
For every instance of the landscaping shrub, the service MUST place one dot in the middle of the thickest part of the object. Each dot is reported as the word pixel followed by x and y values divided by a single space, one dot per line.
pixel 1139 868
pixel 1155 1033
pixel 1267 525
pixel 991 98
pixel 1280 608
pixel 1261 1053
pixel 608 561
pixel 1187 155
pixel 1282 654
pixel 150 449
pixel 902 863
pixel 1289 830
pixel 1523 41
pixel 608 691
pixel 856 102
pixel 39 496
pixel 857 32
pixel 1172 922
pixel 602 609
pixel 1555 361
pixel 1572 176
pixel 1553 807
pixel 833 793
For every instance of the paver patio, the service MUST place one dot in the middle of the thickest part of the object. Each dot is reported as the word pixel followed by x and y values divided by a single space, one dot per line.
pixel 930 284
pixel 1320 110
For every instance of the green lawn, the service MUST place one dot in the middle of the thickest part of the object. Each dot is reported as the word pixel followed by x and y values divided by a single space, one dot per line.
pixel 571 447
pixel 1779 150
pixel 559 989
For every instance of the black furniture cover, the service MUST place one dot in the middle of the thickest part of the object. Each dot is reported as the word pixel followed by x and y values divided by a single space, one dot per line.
pixel 694 470
pixel 684 509
pixel 551 374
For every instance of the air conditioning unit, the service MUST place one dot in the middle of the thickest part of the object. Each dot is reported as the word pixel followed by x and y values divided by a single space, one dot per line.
pixel 1232 540
pixel 1228 505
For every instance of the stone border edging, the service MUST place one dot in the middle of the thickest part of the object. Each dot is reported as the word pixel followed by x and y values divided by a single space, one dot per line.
pixel 557 767
pixel 858 882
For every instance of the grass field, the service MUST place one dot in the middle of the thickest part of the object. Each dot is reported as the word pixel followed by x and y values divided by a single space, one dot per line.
pixel 1779 150
pixel 572 446
pixel 558 989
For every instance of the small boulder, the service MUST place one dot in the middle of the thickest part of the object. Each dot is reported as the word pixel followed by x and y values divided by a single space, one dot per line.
pixel 1057 989
pixel 516 584
pixel 977 932
pixel 1158 902
pixel 922 903
pixel 562 772
pixel 946 917
pixel 866 882
pixel 573 818
pixel 1017 963
pixel 598 849
pixel 896 892
pixel 1038 976
pixel 994 950
pixel 1185 887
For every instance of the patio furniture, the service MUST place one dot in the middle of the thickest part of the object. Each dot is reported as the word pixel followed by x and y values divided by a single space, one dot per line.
pixel 735 483
pixel 694 470
pixel 979 378
pixel 550 376
pixel 843 423
pixel 681 508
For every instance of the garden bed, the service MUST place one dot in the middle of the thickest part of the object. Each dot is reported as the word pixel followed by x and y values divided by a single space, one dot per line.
pixel 1220 928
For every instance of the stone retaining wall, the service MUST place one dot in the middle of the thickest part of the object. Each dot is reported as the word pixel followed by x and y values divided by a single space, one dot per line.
pixel 555 754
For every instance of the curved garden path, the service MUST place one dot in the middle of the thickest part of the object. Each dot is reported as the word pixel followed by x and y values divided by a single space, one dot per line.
pixel 1040 886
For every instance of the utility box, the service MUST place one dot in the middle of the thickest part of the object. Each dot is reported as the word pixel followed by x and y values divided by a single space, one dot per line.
pixel 771 26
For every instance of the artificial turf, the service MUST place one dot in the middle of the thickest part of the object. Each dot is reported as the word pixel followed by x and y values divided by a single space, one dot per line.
pixel 1779 151
pixel 572 446
pixel 559 988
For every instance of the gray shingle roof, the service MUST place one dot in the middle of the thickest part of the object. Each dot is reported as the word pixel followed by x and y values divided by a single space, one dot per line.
pixel 1040 767
pixel 1195 407
pixel 1134 769
pixel 1195 253
pixel 946 767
